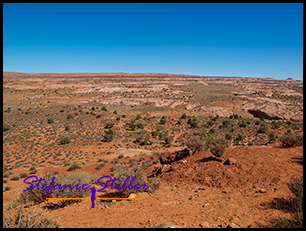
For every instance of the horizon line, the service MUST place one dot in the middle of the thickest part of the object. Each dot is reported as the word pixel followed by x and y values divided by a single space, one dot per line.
pixel 220 76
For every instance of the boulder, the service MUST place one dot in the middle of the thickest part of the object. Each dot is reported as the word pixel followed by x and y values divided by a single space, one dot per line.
pixel 169 157
pixel 230 161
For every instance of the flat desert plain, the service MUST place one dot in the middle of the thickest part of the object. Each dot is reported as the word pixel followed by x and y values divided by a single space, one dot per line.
pixel 162 128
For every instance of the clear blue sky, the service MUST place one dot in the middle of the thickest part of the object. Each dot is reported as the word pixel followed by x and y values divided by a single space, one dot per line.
pixel 248 40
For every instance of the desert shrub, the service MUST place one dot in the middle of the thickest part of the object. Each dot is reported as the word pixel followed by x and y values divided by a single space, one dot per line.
pixel 75 165
pixel 168 140
pixel 291 140
pixel 184 116
pixel 228 136
pixel 109 125
pixel 4 180
pixel 123 116
pixel 50 120
pixel 103 109
pixel 146 164
pixel 23 175
pixel 193 122
pixel 239 137
pixel 262 128
pixel 120 156
pixel 140 125
pixel 100 166
pixel 7 174
pixel 109 135
pixel 296 186
pixel 6 127
pixel 29 219
pixel 142 139
pixel 115 160
pixel 64 140
pixel 210 123
pixel 32 168
pixel 155 161
pixel 55 172
pixel 15 177
pixel 7 188
pixel 195 144
pixel 4 168
pixel 242 125
pixel 154 133
pixel 163 120
pixel 218 146
pixel 211 130
pixel 272 135
pixel 33 171
pixel 122 173
pixel 138 116
pixel 257 122
pixel 118 118
pixel 295 205
pixel 67 128
pixel 225 123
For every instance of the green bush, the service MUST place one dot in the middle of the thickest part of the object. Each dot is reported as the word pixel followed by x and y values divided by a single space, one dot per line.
pixel 225 123
pixel 184 116
pixel 6 127
pixel 257 122
pixel 193 122
pixel 109 125
pixel 69 116
pixel 262 129
pixel 228 136
pixel 67 128
pixel 163 120
pixel 109 135
pixel 103 109
pixel 65 140
pixel 140 125
pixel 272 135
pixel 155 133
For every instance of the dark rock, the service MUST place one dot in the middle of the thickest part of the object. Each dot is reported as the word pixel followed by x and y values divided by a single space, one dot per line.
pixel 169 157
pixel 230 161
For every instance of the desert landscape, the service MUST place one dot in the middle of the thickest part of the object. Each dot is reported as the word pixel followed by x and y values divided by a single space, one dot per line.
pixel 215 151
